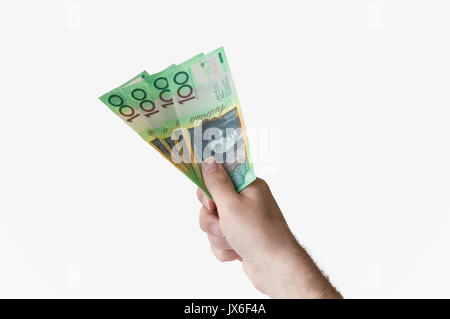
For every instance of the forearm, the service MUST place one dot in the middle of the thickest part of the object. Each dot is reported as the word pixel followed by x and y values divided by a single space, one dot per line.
pixel 254 231
pixel 293 274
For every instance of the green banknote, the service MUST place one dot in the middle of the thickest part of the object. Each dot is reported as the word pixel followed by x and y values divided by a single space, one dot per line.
pixel 158 83
pixel 189 112
pixel 180 144
pixel 142 96
pixel 209 115
pixel 135 117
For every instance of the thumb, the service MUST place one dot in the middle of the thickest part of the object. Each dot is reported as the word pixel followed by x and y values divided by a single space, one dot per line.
pixel 218 182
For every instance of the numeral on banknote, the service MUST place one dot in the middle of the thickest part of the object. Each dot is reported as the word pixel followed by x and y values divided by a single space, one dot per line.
pixel 145 104
pixel 188 112
pixel 162 84
pixel 184 90
pixel 124 110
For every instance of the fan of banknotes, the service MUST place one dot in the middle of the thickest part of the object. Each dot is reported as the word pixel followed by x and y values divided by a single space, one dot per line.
pixel 188 113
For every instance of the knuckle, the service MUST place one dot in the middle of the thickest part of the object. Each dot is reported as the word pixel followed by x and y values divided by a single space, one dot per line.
pixel 223 244
pixel 199 194
pixel 220 255
pixel 202 225
pixel 262 184
pixel 257 188
pixel 219 243
pixel 202 221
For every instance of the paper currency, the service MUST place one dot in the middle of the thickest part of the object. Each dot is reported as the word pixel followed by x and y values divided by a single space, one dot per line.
pixel 189 112
pixel 160 83
pixel 210 115
pixel 136 118
pixel 142 96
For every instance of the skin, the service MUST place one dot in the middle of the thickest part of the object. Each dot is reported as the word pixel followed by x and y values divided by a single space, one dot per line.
pixel 249 227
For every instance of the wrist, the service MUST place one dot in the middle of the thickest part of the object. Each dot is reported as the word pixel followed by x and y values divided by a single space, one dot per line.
pixel 291 273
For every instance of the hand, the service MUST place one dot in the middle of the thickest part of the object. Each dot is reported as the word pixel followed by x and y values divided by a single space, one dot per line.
pixel 250 227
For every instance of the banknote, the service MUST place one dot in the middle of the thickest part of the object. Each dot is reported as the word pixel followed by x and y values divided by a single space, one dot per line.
pixel 189 112
pixel 136 119
pixel 141 96
pixel 158 83
pixel 180 144
pixel 209 115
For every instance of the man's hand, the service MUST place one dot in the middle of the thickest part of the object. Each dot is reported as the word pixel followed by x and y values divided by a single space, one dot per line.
pixel 250 227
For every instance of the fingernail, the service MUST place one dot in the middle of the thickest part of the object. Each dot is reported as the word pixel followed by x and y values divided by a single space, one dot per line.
pixel 209 164
pixel 215 229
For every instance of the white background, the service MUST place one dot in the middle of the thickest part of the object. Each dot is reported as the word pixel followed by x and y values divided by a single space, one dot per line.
pixel 355 96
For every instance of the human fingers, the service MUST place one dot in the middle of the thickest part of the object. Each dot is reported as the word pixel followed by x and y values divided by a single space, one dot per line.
pixel 209 222
pixel 205 200
pixel 219 242
pixel 225 255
